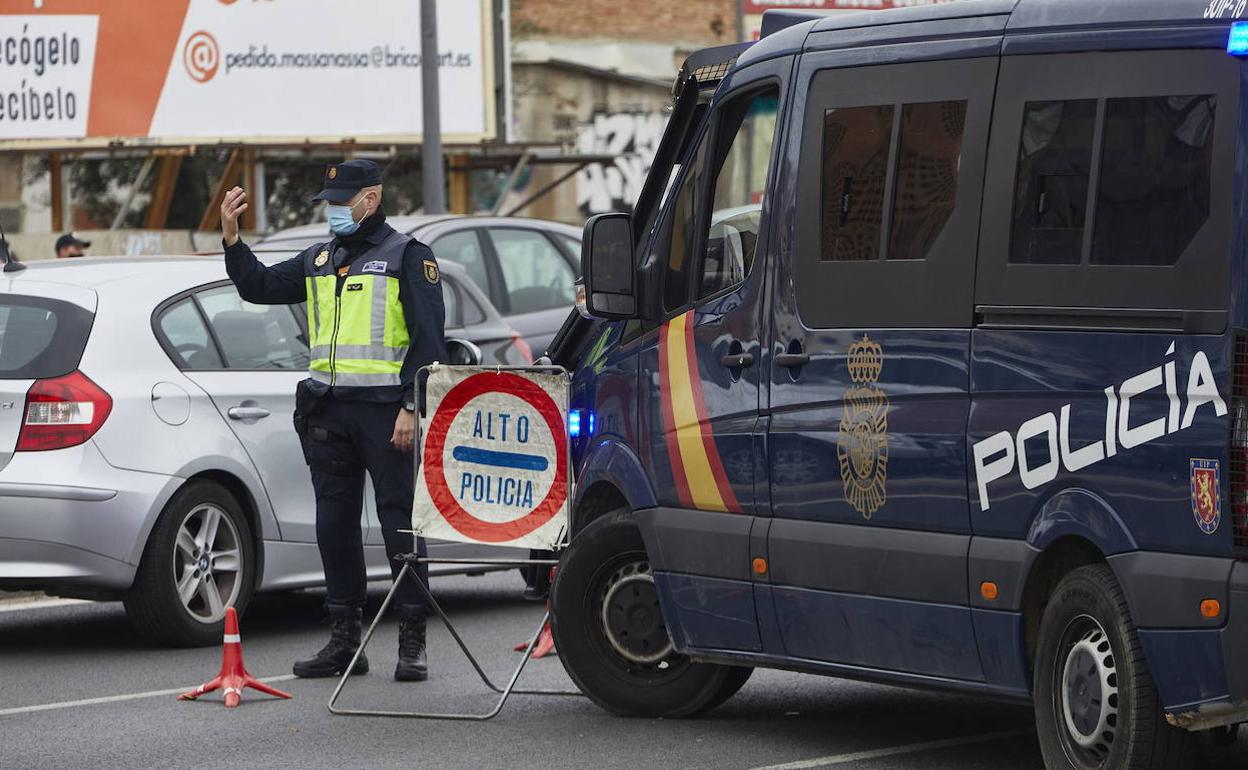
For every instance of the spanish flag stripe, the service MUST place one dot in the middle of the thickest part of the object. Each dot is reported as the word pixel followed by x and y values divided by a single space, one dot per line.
pixel 669 420
pixel 726 495
pixel 683 391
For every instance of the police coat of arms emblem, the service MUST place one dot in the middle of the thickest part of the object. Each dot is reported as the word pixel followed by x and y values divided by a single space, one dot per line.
pixel 1206 495
pixel 862 445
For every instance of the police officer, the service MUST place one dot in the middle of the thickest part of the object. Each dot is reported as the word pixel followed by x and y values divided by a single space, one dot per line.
pixel 375 317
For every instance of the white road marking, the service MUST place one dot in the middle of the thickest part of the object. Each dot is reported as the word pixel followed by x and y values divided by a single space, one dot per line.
pixel 19 605
pixel 117 698
pixel 911 748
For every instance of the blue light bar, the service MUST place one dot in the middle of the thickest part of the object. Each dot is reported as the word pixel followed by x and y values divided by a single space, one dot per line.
pixel 574 423
pixel 591 422
pixel 1237 43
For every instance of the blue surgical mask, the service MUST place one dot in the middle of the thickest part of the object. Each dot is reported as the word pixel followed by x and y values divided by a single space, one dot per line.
pixel 342 219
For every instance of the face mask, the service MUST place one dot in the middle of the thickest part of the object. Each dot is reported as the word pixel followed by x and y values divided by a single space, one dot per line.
pixel 342 220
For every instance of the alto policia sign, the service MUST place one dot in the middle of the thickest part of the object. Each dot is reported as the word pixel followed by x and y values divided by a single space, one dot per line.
pixel 92 72
pixel 494 457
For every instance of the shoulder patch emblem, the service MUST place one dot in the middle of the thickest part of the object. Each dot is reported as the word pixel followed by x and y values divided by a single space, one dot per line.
pixel 1206 494
pixel 376 266
pixel 431 271
pixel 321 258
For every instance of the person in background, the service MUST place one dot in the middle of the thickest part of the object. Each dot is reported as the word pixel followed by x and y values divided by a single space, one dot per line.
pixel 70 245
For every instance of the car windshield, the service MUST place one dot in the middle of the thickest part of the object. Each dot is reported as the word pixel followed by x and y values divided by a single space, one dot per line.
pixel 41 338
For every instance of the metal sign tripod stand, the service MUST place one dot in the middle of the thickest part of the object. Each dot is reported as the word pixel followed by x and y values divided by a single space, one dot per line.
pixel 503 693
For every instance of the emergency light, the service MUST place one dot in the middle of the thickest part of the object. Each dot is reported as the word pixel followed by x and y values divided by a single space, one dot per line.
pixel 1237 43
pixel 580 421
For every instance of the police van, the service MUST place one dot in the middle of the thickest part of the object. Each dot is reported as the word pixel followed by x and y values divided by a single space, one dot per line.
pixel 923 359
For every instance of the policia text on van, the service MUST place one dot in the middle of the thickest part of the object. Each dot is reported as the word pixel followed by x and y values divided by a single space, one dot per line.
pixel 929 367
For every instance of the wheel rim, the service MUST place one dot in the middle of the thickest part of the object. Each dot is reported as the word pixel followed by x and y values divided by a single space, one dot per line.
pixel 621 587
pixel 1086 693
pixel 631 617
pixel 207 563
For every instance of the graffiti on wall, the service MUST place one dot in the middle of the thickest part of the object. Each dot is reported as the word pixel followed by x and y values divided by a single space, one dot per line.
pixel 633 138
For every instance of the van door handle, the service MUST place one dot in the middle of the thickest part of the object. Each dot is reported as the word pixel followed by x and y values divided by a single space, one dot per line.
pixel 792 360
pixel 247 412
pixel 737 360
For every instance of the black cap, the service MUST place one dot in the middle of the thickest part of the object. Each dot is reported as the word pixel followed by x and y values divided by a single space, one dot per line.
pixel 70 239
pixel 344 180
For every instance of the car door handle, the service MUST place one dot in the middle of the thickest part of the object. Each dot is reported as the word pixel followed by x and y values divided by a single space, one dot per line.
pixel 247 412
pixel 792 360
pixel 737 360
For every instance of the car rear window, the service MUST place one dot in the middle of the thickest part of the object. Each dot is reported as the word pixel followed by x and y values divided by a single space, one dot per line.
pixel 41 338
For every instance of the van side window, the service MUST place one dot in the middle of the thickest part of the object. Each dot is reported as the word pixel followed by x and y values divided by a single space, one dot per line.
pixel 1110 186
pixel 927 175
pixel 889 186
pixel 683 228
pixel 857 142
pixel 857 150
pixel 737 205
pixel 736 150
pixel 1154 190
pixel 1054 166
pixel 1152 193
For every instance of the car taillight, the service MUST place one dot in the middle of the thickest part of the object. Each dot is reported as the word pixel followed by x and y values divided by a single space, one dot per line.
pixel 1239 447
pixel 62 412
pixel 523 347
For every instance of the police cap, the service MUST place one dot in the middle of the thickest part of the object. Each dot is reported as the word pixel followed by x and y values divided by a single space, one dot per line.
pixel 344 180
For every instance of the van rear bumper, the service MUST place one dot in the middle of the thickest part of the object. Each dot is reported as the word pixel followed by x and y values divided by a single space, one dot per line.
pixel 1202 674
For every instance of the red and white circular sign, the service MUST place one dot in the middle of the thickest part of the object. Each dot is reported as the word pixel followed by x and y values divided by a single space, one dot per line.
pixel 495 457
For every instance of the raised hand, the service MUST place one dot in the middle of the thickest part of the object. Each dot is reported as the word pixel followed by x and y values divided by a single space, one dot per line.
pixel 234 203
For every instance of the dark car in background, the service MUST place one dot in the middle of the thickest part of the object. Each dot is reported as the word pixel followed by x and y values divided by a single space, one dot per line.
pixel 527 267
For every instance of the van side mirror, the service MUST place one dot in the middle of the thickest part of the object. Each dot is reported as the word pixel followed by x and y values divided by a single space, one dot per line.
pixel 607 267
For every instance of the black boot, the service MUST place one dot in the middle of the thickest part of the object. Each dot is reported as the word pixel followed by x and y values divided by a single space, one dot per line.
pixel 413 664
pixel 344 640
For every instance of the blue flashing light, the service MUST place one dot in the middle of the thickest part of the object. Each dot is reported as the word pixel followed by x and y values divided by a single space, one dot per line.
pixel 574 423
pixel 1237 43
pixel 591 422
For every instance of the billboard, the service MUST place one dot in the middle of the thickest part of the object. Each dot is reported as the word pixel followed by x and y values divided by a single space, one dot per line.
pixel 754 9
pixel 263 71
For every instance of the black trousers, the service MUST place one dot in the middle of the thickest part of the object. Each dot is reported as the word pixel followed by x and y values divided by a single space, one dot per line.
pixel 345 439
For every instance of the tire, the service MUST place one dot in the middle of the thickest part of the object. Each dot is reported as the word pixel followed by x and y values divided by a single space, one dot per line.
pixel 154 605
pixel 736 679
pixel 631 670
pixel 1096 704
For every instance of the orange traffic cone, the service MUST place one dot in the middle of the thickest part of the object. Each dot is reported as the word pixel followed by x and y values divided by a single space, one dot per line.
pixel 233 677
pixel 545 639
pixel 545 643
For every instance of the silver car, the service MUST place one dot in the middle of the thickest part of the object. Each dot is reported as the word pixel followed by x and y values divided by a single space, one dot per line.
pixel 146 445
pixel 526 266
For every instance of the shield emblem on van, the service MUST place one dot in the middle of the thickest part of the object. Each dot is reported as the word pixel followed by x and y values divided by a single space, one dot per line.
pixel 1206 495
pixel 862 442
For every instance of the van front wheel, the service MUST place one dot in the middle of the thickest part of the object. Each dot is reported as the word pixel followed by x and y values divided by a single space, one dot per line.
pixel 610 634
pixel 1096 704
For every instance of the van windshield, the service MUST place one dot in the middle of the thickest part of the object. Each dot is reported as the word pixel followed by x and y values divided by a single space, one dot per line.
pixel 41 338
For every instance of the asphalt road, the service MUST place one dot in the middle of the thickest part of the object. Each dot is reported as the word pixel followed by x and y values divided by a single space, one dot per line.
pixel 56 657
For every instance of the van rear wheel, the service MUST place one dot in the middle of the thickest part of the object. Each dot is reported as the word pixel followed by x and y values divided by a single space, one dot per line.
pixel 1096 704
pixel 610 634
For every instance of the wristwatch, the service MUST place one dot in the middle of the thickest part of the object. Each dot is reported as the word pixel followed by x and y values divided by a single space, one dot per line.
pixel 409 406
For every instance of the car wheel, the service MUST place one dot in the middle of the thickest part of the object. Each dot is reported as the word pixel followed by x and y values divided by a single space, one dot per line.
pixel 198 561
pixel 1096 704
pixel 609 629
